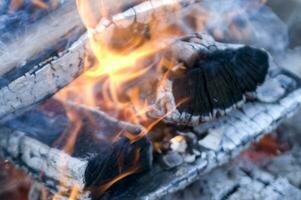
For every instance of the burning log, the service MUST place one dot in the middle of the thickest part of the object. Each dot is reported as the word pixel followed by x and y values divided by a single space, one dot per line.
pixel 92 151
pixel 101 152
pixel 43 78
pixel 51 75
pixel 53 32
pixel 225 138
pixel 208 79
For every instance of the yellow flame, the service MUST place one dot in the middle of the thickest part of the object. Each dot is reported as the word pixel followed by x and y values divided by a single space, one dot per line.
pixel 105 84
pixel 16 4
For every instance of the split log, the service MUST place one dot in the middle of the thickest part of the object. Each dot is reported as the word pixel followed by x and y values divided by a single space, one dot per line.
pixel 99 152
pixel 42 36
pixel 43 79
pixel 226 138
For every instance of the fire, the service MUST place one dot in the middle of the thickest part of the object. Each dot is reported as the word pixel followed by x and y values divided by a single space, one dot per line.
pixel 126 67
pixel 117 66
pixel 117 75
pixel 125 59
pixel 16 4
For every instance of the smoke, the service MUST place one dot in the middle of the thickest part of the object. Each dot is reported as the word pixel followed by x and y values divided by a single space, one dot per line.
pixel 248 22
pixel 14 18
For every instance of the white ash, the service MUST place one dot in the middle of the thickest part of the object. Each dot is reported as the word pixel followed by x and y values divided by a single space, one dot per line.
pixel 178 144
pixel 274 89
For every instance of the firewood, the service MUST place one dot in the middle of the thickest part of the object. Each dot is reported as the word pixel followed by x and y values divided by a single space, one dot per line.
pixel 42 36
pixel 234 132
pixel 226 138
pixel 213 79
pixel 42 79
pixel 102 151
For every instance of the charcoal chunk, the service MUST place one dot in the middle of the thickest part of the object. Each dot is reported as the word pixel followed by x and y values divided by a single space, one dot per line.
pixel 114 161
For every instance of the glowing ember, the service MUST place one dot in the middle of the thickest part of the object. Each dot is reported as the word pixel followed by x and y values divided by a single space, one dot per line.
pixel 267 148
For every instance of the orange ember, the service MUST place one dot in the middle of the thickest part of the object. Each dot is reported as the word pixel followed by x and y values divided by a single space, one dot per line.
pixel 266 148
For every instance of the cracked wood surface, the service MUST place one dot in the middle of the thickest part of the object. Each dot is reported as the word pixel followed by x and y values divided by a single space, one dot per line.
pixel 22 89
pixel 43 34
pixel 44 81
pixel 239 129
pixel 49 162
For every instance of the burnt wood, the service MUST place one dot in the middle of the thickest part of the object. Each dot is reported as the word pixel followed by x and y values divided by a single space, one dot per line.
pixel 219 79
pixel 101 150
pixel 48 35
pixel 63 51
pixel 226 137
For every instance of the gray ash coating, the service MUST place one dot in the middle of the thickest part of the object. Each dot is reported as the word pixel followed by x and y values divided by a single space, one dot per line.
pixel 219 79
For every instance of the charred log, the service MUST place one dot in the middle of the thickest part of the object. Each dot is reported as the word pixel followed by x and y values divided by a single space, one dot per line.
pixel 225 138
pixel 219 79
pixel 209 79
pixel 53 32
pixel 101 151
pixel 43 75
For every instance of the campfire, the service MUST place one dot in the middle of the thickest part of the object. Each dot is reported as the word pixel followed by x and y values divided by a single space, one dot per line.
pixel 138 99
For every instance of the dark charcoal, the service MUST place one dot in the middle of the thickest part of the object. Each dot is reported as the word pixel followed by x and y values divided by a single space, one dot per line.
pixel 114 160
pixel 45 122
pixel 111 147
pixel 220 79
pixel 108 148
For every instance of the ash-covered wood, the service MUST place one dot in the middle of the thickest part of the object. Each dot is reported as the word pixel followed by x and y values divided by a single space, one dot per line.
pixel 43 77
pixel 99 152
pixel 234 133
pixel 240 183
pixel 270 170
pixel 44 36
pixel 43 80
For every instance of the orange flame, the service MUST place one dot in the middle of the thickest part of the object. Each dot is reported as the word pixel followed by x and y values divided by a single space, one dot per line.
pixel 120 71
pixel 16 4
